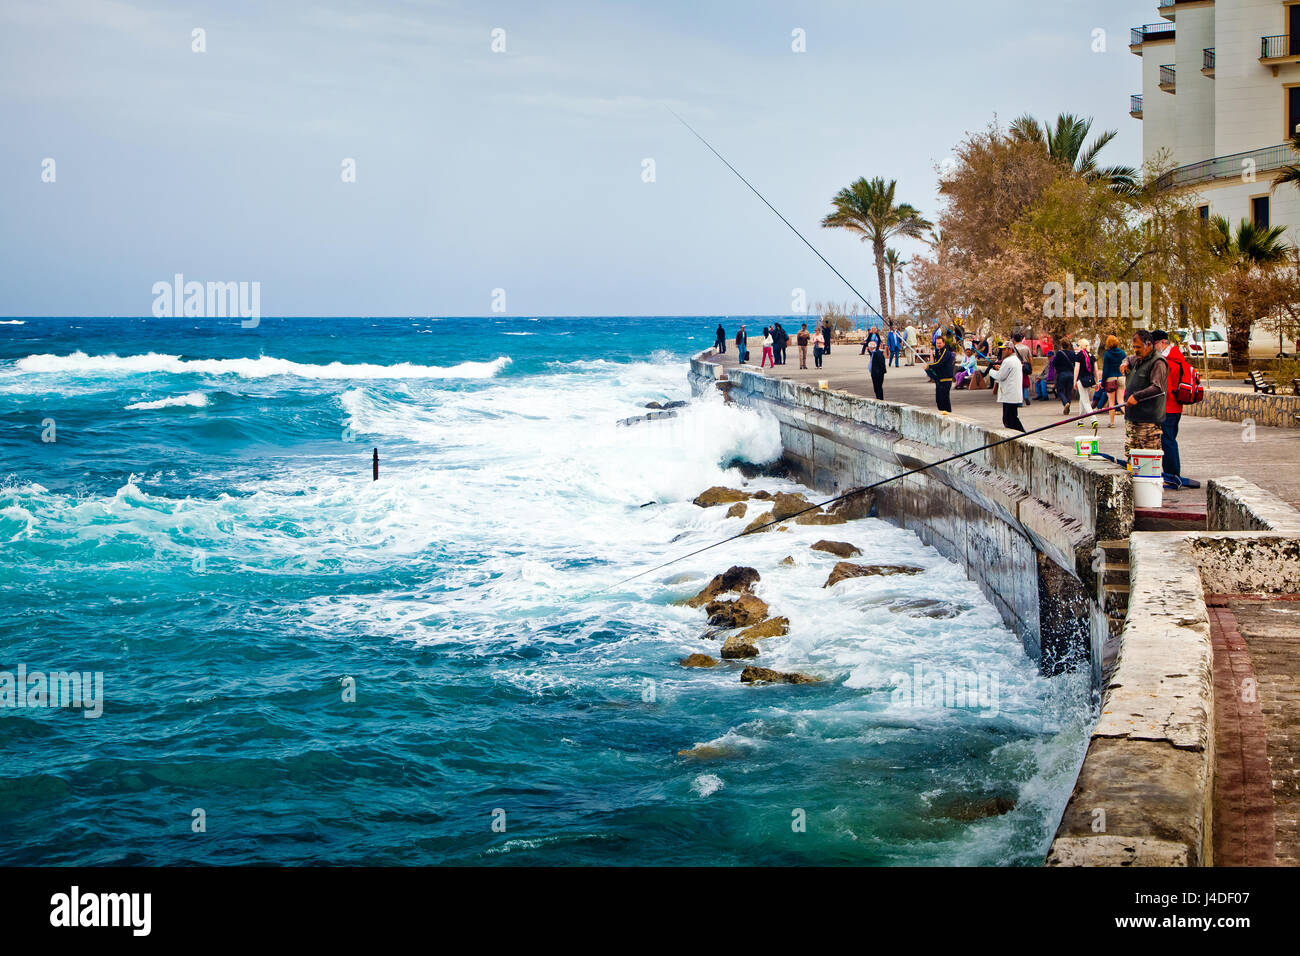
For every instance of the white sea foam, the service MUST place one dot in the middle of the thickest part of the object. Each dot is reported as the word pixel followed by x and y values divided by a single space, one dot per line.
pixel 12 322
pixel 262 367
pixel 707 784
pixel 191 400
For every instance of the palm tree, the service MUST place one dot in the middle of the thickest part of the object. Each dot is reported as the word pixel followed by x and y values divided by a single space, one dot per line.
pixel 867 207
pixel 895 264
pixel 1251 247
pixel 1067 142
pixel 1290 173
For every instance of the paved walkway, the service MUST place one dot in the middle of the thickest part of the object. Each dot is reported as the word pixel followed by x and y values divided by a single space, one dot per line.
pixel 1210 448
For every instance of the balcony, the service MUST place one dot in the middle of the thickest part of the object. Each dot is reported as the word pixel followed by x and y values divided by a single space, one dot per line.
pixel 1230 167
pixel 1167 78
pixel 1135 106
pixel 1149 33
pixel 1207 65
pixel 1274 51
pixel 1167 8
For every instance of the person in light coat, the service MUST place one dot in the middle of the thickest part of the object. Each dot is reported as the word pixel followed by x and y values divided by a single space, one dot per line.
pixel 1007 378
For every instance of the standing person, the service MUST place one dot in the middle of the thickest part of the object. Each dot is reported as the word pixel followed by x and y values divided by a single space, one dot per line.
pixel 826 337
pixel 1148 380
pixel 1063 366
pixel 819 347
pixel 1026 361
pixel 1112 378
pixel 1085 378
pixel 803 339
pixel 872 336
pixel 1179 371
pixel 895 342
pixel 720 341
pixel 909 337
pixel 941 371
pixel 779 339
pixel 767 349
pixel 1008 376
pixel 878 366
pixel 742 346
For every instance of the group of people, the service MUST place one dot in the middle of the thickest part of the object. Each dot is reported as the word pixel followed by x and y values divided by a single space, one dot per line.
pixel 776 341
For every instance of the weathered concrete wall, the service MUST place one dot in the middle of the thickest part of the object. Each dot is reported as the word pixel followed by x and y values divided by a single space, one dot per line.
pixel 1235 504
pixel 1233 405
pixel 1022 519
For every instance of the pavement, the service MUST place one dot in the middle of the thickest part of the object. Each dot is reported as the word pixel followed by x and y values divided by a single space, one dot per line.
pixel 1209 448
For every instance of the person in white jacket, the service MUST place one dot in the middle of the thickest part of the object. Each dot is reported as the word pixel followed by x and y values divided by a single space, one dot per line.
pixel 1007 376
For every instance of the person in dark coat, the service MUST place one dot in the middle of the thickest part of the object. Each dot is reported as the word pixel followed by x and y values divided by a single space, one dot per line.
pixel 878 364
pixel 941 371
pixel 826 339
pixel 779 340
pixel 1063 361
pixel 720 340
pixel 742 346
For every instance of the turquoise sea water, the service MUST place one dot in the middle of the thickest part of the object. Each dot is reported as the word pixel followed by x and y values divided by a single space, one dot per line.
pixel 187 507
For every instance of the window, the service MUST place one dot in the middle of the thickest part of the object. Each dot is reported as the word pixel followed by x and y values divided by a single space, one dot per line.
pixel 1259 211
pixel 1205 213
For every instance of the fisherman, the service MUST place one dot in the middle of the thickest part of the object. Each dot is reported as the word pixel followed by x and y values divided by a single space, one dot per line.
pixel 1148 381
pixel 1179 371
pixel 1026 361
pixel 878 367
pixel 941 371
pixel 720 342
pixel 1008 374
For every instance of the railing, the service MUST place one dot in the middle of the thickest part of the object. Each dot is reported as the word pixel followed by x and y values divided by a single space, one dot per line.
pixel 1231 166
pixel 1271 47
pixel 1208 65
pixel 1155 31
pixel 1167 77
pixel 1135 105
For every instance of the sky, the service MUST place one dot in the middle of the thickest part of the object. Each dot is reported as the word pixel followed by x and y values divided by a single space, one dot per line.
pixel 522 170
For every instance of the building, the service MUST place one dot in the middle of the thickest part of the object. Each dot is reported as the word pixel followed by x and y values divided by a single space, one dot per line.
pixel 1221 98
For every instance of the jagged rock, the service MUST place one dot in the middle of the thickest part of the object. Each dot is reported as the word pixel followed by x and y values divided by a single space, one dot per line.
pixel 841 549
pixel 820 518
pixel 744 611
pixel 735 648
pixel 772 627
pixel 759 520
pixel 719 495
pixel 737 510
pixel 785 505
pixel 763 495
pixel 968 808
pixel 844 570
pixel 652 405
pixel 710 752
pixel 788 560
pixel 784 527
pixel 853 508
pixel 762 675
pixel 674 405
pixel 698 660
pixel 735 578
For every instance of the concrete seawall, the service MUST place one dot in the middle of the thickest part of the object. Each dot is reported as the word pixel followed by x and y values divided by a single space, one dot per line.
pixel 1022 519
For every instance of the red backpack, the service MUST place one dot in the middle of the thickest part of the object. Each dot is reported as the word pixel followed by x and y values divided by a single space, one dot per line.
pixel 1189 389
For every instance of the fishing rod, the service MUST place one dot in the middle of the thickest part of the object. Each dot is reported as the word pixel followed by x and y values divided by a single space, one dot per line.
pixel 872 487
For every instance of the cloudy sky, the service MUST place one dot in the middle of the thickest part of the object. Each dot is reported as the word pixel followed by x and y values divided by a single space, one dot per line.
pixel 519 170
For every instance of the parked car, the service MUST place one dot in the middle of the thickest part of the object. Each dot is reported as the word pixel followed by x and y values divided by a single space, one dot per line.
pixel 1200 342
pixel 1040 345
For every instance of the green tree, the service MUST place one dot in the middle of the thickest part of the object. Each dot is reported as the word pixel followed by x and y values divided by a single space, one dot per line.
pixel 1067 142
pixel 867 207
pixel 1253 253
pixel 1290 173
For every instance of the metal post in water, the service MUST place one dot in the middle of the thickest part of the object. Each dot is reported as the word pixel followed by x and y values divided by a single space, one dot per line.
pixel 376 465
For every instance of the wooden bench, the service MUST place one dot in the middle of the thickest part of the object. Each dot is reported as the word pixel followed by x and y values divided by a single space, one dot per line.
pixel 1262 383
pixel 1295 386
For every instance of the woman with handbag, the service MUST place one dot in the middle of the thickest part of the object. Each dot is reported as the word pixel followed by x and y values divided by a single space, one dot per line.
pixel 1085 378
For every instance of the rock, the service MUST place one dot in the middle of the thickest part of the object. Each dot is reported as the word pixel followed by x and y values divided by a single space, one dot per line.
pixel 652 405
pixel 710 752
pixel 763 495
pixel 785 505
pixel 772 627
pixel 844 570
pixel 762 675
pixel 737 510
pixel 698 660
pixel 735 648
pixel 759 520
pixel 674 405
pixel 735 578
pixel 784 527
pixel 975 807
pixel 853 508
pixel 927 607
pixel 744 611
pixel 819 518
pixel 788 561
pixel 841 549
pixel 718 495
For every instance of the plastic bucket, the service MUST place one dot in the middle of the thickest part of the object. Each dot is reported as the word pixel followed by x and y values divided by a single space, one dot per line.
pixel 1148 492
pixel 1147 463
pixel 823 383
pixel 1085 447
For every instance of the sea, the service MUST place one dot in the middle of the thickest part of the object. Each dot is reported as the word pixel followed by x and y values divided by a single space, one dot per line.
pixel 301 665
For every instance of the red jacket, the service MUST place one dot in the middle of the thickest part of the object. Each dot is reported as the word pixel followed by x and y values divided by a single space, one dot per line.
pixel 1178 371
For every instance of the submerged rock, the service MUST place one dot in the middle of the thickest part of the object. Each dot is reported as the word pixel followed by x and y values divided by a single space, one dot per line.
pixel 786 505
pixel 927 607
pixel 759 520
pixel 743 611
pixel 844 570
pixel 820 518
pixel 772 627
pixel 674 404
pixel 763 495
pixel 788 561
pixel 737 510
pixel 655 405
pixel 735 578
pixel 734 648
pixel 720 495
pixel 763 675
pixel 975 807
pixel 841 549
pixel 698 660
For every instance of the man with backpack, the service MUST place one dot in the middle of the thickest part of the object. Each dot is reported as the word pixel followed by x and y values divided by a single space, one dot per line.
pixel 1184 383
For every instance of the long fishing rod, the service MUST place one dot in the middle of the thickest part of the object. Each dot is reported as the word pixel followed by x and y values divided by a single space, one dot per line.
pixel 872 487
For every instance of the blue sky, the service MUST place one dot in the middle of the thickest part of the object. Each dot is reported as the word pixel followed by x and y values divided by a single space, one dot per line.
pixel 519 170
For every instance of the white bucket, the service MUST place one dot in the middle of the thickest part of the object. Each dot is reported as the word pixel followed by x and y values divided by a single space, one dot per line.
pixel 1146 463
pixel 823 383
pixel 1085 447
pixel 1148 492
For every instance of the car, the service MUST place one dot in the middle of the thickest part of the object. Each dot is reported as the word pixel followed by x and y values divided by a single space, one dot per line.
pixel 1040 345
pixel 1200 342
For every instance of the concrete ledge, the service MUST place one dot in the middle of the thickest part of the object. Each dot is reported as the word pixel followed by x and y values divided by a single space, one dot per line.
pixel 1235 504
pixel 1232 405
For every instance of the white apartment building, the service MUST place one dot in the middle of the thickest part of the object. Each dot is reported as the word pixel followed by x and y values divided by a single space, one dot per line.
pixel 1221 95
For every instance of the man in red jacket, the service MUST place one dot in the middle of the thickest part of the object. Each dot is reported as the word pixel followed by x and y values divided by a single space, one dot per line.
pixel 1178 372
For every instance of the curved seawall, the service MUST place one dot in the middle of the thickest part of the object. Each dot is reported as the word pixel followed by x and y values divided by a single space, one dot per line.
pixel 1023 519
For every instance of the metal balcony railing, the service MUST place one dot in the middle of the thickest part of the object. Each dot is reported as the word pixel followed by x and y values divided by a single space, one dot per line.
pixel 1207 65
pixel 1273 47
pixel 1167 78
pixel 1151 31
pixel 1231 167
pixel 1135 106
